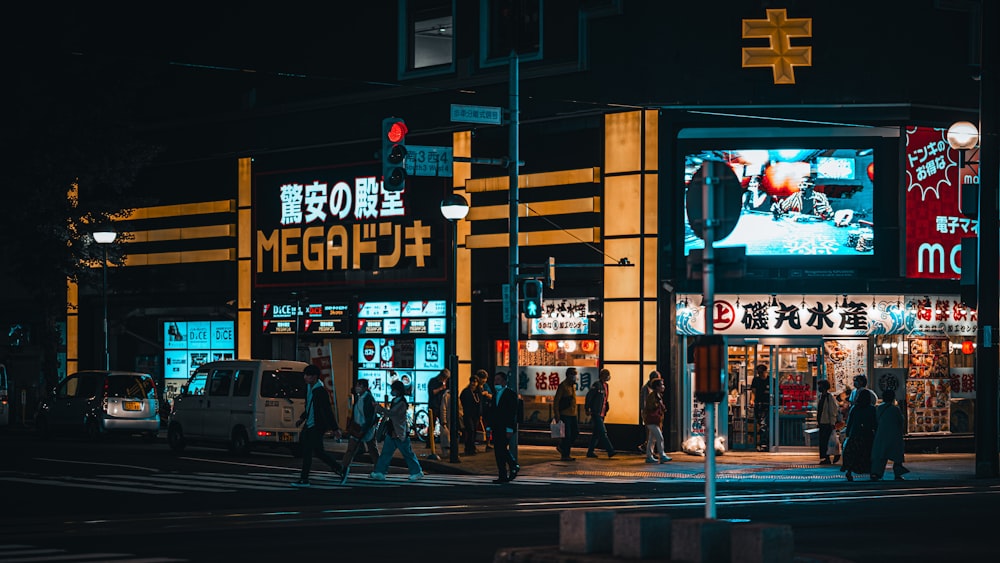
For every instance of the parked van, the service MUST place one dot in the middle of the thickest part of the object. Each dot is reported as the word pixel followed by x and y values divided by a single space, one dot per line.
pixel 242 404
pixel 98 402
pixel 4 397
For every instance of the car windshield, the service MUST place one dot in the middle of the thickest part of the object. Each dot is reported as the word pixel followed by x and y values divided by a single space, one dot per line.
pixel 131 386
pixel 282 384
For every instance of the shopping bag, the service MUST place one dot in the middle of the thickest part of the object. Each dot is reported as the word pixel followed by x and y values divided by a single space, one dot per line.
pixel 558 429
pixel 833 446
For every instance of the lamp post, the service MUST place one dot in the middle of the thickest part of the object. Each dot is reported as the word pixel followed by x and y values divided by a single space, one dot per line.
pixel 454 208
pixel 104 238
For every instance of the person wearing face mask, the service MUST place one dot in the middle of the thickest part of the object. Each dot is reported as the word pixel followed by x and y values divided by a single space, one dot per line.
pixel 397 436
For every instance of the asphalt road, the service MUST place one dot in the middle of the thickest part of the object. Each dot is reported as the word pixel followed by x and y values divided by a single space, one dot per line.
pixel 128 501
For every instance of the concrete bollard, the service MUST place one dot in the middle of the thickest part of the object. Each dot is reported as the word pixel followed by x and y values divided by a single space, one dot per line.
pixel 762 543
pixel 642 535
pixel 699 540
pixel 586 531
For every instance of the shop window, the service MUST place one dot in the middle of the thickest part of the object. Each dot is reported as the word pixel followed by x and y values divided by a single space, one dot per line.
pixel 542 366
pixel 428 26
pixel 510 25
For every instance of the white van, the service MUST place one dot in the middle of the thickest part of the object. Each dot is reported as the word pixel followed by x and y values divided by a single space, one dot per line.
pixel 4 397
pixel 240 403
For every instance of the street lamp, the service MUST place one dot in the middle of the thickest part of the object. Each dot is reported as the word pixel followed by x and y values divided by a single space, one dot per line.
pixel 454 208
pixel 105 237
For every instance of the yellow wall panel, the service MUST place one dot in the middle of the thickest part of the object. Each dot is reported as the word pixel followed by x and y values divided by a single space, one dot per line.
pixel 622 206
pixel 536 180
pixel 649 225
pixel 244 168
pixel 463 336
pixel 245 241
pixel 623 396
pixel 622 142
pixel 243 332
pixel 461 145
pixel 244 283
pixel 536 209
pixel 535 238
pixel 650 278
pixel 464 279
pixel 224 206
pixel 652 139
pixel 621 331
pixel 649 330
pixel 619 281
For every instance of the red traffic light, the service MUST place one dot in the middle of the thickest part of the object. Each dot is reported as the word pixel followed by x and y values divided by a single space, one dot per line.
pixel 397 132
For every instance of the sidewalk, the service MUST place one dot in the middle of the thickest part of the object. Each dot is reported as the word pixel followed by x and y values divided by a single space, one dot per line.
pixel 543 461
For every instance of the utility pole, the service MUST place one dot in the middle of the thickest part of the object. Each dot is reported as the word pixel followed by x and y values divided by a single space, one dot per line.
pixel 514 321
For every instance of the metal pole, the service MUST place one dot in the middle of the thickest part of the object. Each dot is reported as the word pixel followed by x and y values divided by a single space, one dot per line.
pixel 104 294
pixel 708 282
pixel 515 315
pixel 987 360
pixel 452 342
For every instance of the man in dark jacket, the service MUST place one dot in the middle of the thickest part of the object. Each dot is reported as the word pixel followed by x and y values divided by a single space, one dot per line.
pixel 503 423
pixel 596 405
pixel 361 428
pixel 316 419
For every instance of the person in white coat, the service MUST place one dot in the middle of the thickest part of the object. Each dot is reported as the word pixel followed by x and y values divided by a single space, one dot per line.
pixel 888 444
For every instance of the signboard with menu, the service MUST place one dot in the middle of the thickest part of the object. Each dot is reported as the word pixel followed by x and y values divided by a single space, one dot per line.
pixel 414 361
pixel 402 317
pixel 312 318
pixel 189 344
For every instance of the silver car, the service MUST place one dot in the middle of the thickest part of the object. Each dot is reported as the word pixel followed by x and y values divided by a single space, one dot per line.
pixel 96 403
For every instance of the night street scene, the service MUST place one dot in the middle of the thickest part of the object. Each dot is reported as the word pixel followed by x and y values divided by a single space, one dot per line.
pixel 501 281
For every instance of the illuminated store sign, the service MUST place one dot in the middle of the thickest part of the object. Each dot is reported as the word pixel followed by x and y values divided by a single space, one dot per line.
pixel 562 317
pixel 934 225
pixel 338 225
pixel 314 318
pixel 828 315
pixel 189 344
pixel 402 317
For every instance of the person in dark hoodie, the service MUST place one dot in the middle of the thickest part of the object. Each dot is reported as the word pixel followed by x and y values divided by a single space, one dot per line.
pixel 316 419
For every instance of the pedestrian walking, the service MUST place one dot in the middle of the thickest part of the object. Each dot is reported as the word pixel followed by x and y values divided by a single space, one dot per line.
pixel 860 434
pixel 397 436
pixel 503 425
pixel 485 399
pixel 436 388
pixel 888 443
pixel 360 428
pixel 861 386
pixel 596 405
pixel 827 414
pixel 565 411
pixel 469 399
pixel 647 388
pixel 653 413
pixel 316 419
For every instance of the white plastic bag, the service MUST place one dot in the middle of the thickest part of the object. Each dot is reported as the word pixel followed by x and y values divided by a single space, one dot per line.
pixel 558 429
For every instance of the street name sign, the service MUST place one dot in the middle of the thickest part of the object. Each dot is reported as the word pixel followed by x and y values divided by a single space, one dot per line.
pixel 491 115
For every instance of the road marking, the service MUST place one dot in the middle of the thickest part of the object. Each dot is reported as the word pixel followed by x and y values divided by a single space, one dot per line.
pixel 31 554
pixel 56 483
pixel 97 463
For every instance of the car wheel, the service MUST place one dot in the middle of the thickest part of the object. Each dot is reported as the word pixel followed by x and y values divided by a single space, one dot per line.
pixel 175 437
pixel 239 443
pixel 93 431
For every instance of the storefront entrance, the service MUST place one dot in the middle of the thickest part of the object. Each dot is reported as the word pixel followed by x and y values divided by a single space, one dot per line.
pixel 775 412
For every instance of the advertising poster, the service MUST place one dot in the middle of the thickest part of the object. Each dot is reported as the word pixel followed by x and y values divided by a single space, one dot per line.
pixel 844 358
pixel 963 383
pixel 928 408
pixel 544 380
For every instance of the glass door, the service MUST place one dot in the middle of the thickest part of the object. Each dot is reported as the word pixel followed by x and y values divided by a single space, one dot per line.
pixel 793 374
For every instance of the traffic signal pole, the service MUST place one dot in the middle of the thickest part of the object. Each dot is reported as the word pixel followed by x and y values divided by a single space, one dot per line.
pixel 513 322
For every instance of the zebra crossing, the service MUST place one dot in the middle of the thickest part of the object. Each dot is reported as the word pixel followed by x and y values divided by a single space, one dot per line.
pixel 21 553
pixel 205 482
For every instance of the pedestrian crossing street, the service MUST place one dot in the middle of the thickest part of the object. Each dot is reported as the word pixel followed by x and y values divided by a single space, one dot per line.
pixel 19 553
pixel 178 483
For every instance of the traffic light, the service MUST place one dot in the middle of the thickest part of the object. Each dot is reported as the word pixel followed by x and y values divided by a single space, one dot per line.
pixel 393 154
pixel 532 305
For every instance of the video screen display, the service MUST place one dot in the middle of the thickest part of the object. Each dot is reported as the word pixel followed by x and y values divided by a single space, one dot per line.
pixel 796 202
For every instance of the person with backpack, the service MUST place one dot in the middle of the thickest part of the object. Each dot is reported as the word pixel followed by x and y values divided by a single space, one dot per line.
pixel 596 406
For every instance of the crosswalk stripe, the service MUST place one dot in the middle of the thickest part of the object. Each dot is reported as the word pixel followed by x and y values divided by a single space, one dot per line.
pixel 57 483
pixel 260 481
pixel 18 553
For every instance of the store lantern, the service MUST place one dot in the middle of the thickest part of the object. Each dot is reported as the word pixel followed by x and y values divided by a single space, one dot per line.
pixel 551 346
pixel 968 347
pixel 588 346
pixel 531 345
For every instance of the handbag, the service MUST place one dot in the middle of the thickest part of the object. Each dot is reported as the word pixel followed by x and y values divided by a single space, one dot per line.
pixel 833 445
pixel 558 429
pixel 382 430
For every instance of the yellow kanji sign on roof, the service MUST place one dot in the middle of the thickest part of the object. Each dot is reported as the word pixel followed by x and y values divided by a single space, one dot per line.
pixel 779 54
